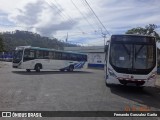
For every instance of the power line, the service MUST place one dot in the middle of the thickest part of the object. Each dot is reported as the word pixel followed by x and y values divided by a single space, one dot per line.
pixel 69 15
pixel 97 17
pixel 87 8
pixel 59 11
pixel 82 14
pixel 70 18
pixel 71 21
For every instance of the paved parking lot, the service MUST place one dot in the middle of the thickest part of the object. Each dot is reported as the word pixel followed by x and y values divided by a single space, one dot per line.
pixel 69 91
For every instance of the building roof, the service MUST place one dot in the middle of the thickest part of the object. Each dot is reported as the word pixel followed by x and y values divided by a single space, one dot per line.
pixel 86 49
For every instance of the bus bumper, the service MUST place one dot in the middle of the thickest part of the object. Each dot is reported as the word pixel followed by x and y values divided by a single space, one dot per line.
pixel 16 65
pixel 113 80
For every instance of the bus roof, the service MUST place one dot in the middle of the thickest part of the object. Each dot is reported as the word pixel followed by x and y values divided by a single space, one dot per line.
pixel 133 35
pixel 46 49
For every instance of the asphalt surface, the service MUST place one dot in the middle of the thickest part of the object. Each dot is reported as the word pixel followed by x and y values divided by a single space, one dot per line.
pixel 82 90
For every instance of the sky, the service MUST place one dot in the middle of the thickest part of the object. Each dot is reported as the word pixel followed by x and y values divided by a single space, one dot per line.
pixel 57 18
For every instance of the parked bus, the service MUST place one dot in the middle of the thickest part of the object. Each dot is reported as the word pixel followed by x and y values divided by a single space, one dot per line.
pixel 35 58
pixel 131 60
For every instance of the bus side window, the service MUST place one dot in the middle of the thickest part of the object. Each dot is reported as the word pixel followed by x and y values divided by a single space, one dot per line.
pixel 73 57
pixel 68 56
pixel 84 58
pixel 39 54
pixel 26 54
pixel 29 54
pixel 79 57
pixel 46 54
pixel 58 55
pixel 51 55
pixel 32 54
pixel 64 56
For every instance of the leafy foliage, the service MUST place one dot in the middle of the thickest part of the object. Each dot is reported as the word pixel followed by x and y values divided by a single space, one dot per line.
pixel 25 38
pixel 147 30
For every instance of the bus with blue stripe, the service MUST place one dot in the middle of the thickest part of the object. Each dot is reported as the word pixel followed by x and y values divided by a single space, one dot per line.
pixel 36 58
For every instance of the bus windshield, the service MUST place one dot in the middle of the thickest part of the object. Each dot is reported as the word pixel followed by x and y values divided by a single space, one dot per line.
pixel 17 57
pixel 121 55
pixel 132 55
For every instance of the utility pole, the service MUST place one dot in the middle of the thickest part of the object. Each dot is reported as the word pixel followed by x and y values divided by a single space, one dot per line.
pixel 67 38
pixel 104 36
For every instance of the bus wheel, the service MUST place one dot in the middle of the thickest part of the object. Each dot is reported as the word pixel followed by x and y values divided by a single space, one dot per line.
pixel 139 87
pixel 28 70
pixel 70 69
pixel 62 70
pixel 37 68
pixel 108 85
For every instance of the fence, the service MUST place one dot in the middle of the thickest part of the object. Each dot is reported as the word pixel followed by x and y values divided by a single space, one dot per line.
pixel 6 56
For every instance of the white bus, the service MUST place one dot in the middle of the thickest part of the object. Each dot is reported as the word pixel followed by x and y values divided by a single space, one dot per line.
pixel 131 60
pixel 35 58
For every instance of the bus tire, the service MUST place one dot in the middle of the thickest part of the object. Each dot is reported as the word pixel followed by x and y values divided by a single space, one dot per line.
pixel 62 70
pixel 71 68
pixel 108 85
pixel 28 70
pixel 38 67
pixel 140 87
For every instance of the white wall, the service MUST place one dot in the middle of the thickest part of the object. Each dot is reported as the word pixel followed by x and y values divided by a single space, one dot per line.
pixel 96 58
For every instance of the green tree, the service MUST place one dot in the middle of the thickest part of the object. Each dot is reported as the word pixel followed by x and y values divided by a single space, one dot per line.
pixel 24 38
pixel 147 30
pixel 1 45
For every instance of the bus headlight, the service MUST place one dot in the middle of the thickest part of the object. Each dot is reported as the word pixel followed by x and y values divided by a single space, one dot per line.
pixel 111 73
pixel 153 76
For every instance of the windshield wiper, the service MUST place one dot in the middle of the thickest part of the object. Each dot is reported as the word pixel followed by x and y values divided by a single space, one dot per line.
pixel 127 51
pixel 138 51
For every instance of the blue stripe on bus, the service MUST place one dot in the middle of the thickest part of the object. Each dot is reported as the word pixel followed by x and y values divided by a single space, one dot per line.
pixel 76 65
pixel 80 65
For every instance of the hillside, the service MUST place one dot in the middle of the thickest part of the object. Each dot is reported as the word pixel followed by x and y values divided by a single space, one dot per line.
pixel 25 38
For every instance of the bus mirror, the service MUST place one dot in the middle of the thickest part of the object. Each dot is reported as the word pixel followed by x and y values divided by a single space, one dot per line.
pixel 106 48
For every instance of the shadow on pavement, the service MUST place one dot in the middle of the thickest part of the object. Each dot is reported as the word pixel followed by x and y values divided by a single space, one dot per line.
pixel 49 72
pixel 148 96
